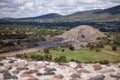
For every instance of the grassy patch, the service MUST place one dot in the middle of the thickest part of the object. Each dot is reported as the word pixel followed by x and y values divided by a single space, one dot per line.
pixel 80 55
pixel 108 48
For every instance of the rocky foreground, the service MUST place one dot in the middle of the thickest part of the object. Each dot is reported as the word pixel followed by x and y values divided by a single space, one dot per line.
pixel 16 69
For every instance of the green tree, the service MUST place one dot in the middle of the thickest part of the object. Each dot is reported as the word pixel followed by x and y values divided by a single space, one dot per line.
pixel 91 46
pixel 71 47
pixel 46 50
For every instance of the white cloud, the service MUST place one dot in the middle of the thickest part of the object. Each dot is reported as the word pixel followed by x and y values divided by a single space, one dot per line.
pixel 19 1
pixel 3 4
pixel 89 1
pixel 24 8
pixel 28 5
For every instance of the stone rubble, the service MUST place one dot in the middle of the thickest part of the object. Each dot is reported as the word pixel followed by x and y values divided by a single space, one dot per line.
pixel 12 68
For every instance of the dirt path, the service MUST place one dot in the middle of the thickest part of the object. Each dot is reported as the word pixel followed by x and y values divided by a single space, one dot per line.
pixel 110 52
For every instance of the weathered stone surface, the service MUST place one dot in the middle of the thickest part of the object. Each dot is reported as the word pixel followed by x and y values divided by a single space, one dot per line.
pixel 7 75
pixel 37 67
pixel 59 76
pixel 2 70
pixel 31 71
pixel 26 75
pixel 8 67
pixel 98 77
pixel 33 79
pixel 78 66
pixel 108 71
pixel 14 64
pixel 19 69
pixel 49 69
pixel 49 73
pixel 22 68
pixel 54 71
pixel 83 71
pixel 116 76
pixel 97 66
pixel 39 74
pixel 46 73
pixel 2 58
pixel 1 64
pixel 74 76
pixel 12 61
pixel 63 64
pixel 15 72
pixel 52 79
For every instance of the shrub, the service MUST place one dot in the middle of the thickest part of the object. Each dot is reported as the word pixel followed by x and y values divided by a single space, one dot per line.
pixel 39 58
pixel 10 44
pixel 71 47
pixel 57 60
pixel 77 61
pixel 72 60
pixel 46 50
pixel 97 50
pixel 61 59
pixel 100 45
pixel 18 55
pixel 104 62
pixel 114 48
pixel 90 46
pixel 63 50
pixel 47 57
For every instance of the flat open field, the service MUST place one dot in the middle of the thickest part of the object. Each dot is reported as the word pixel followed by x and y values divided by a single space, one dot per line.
pixel 81 55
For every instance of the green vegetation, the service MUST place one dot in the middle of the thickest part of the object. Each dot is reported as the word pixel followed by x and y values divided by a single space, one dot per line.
pixel 23 31
pixel 58 55
pixel 17 36
pixel 46 50
pixel 71 47
pixel 112 40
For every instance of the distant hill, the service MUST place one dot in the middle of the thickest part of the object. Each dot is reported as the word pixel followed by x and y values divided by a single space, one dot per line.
pixel 113 10
pixel 100 17
pixel 105 15
pixel 47 16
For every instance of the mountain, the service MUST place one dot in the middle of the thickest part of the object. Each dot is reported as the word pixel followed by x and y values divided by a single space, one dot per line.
pixel 105 15
pixel 114 10
pixel 99 15
pixel 47 16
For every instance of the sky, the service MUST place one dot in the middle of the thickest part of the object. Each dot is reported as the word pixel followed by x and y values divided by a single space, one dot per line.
pixel 30 8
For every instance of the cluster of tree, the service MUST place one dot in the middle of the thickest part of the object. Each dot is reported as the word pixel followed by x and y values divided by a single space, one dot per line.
pixel 25 31
pixel 73 60
pixel 103 26
pixel 112 39
pixel 37 57
pixel 104 62
pixel 94 46
pixel 60 59
pixel 5 44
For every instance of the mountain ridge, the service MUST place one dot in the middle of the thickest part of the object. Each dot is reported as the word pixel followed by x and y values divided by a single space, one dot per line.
pixel 98 15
